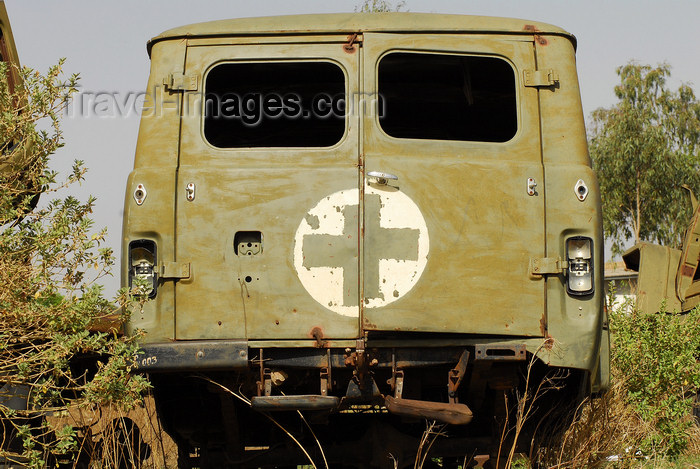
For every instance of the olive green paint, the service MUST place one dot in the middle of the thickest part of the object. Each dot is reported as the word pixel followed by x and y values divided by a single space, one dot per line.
pixel 484 228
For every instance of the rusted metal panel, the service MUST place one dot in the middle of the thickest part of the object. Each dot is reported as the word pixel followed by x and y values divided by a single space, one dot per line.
pixel 656 282
pixel 667 274
pixel 687 284
pixel 454 414
pixel 287 403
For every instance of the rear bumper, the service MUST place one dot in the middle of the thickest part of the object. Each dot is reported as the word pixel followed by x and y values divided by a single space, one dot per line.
pixel 190 356
pixel 213 355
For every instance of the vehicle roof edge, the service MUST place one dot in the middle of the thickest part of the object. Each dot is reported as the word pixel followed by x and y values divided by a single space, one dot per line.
pixel 394 22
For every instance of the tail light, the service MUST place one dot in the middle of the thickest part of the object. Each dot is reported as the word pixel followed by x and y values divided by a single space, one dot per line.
pixel 142 265
pixel 579 254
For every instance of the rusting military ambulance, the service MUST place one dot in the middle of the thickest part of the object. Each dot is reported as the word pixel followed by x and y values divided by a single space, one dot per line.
pixel 373 219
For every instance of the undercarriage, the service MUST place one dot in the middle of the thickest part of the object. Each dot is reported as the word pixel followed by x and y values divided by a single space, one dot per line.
pixel 362 407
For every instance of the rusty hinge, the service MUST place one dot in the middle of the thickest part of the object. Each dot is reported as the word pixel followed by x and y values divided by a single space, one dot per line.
pixel 175 270
pixel 181 82
pixel 547 266
pixel 354 38
pixel 537 78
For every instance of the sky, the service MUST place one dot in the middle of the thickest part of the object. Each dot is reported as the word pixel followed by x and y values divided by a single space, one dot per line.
pixel 106 43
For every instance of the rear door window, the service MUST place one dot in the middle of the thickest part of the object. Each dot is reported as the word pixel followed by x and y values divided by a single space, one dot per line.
pixel 447 97
pixel 274 104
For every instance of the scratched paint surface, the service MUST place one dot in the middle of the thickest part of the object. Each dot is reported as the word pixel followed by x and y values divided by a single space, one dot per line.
pixel 325 252
pixel 397 245
pixel 469 263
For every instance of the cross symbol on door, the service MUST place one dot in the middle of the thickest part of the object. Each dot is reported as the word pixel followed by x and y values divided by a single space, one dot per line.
pixel 340 251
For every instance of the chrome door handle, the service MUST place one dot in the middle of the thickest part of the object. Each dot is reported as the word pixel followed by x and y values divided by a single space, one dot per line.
pixel 380 177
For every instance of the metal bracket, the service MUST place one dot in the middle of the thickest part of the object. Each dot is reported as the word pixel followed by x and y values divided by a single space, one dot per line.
pixel 325 379
pixel 531 186
pixel 181 82
pixel 496 352
pixel 398 384
pixel 189 191
pixel 456 375
pixel 267 382
pixel 547 266
pixel 396 380
pixel 537 78
pixel 175 270
pixel 247 248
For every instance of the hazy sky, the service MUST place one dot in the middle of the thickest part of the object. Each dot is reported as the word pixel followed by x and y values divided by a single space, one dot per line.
pixel 105 43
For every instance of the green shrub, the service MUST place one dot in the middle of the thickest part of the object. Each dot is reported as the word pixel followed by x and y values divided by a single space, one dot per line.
pixel 656 356
pixel 51 261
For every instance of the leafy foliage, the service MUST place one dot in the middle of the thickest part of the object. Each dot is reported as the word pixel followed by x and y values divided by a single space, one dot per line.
pixel 644 149
pixel 656 355
pixel 51 304
pixel 379 6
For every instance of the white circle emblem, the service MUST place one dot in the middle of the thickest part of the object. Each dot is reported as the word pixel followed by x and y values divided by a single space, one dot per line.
pixel 326 247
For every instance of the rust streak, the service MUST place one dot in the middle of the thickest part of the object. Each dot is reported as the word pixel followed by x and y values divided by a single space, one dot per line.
pixel 549 343
pixel 543 325
pixel 349 47
pixel 317 334
pixel 541 40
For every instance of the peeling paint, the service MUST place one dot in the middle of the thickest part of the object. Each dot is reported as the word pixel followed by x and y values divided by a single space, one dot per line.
pixel 396 249
pixel 313 221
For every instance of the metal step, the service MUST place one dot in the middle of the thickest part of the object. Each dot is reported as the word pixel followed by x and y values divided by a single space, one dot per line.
pixel 302 402
pixel 455 414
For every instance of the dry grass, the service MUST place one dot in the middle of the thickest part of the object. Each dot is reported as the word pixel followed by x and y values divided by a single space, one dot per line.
pixel 607 430
pixel 105 430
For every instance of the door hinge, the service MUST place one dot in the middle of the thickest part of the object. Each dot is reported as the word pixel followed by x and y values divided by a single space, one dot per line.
pixel 547 266
pixel 536 78
pixel 181 82
pixel 175 270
